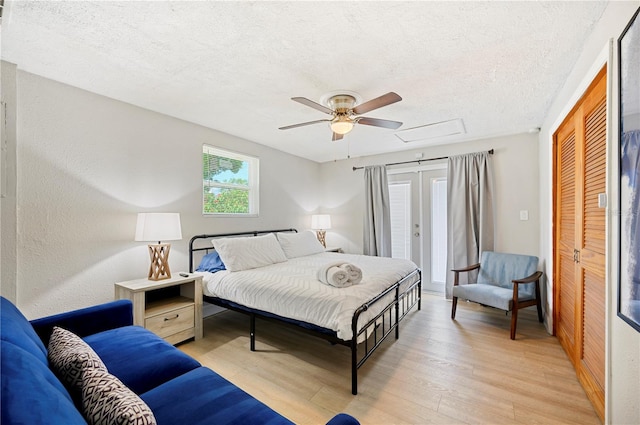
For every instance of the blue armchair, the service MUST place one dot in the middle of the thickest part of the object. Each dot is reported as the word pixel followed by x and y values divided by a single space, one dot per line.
pixel 505 281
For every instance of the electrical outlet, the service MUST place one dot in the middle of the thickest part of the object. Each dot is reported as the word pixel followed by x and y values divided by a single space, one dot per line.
pixel 524 215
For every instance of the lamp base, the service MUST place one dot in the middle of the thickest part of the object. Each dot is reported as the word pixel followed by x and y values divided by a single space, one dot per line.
pixel 321 237
pixel 159 255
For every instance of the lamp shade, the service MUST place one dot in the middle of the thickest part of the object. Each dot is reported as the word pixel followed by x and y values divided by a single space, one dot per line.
pixel 321 221
pixel 341 125
pixel 158 227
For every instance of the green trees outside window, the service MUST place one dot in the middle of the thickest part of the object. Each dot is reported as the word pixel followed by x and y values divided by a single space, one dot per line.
pixel 229 182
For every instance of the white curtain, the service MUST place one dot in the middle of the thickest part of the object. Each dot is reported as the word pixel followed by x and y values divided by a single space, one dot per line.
pixel 470 212
pixel 377 221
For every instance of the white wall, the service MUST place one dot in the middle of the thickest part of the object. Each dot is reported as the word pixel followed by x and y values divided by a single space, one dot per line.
pixel 516 188
pixel 623 343
pixel 87 164
pixel 8 207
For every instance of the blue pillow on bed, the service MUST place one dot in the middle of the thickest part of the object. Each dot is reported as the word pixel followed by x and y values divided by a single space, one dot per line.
pixel 211 263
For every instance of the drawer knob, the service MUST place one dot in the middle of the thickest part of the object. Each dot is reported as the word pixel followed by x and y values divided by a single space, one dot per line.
pixel 166 319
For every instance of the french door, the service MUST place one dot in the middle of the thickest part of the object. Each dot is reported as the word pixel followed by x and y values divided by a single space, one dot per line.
pixel 418 222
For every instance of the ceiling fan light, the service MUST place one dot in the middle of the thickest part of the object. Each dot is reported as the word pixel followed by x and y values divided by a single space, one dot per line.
pixel 341 125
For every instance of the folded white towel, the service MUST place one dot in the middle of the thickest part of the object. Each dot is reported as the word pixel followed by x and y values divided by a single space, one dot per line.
pixel 339 274
pixel 338 277
pixel 355 273
pixel 332 274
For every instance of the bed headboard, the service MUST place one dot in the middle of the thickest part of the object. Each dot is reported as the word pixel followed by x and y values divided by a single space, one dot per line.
pixel 203 243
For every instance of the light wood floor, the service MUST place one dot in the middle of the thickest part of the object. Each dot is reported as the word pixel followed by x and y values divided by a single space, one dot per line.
pixel 439 371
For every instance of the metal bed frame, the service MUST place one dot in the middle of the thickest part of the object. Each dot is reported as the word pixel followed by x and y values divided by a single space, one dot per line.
pixel 377 329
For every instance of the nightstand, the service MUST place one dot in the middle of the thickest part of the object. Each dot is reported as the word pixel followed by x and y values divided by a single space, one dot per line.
pixel 170 308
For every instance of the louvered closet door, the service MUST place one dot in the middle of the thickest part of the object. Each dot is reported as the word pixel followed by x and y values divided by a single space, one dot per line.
pixel 566 269
pixel 591 258
pixel 579 275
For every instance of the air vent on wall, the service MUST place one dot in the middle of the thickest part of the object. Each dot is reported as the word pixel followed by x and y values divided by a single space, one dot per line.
pixel 432 131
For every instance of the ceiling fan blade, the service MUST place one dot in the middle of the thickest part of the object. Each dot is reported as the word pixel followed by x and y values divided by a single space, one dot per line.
pixel 287 127
pixel 378 102
pixel 336 137
pixel 312 104
pixel 379 123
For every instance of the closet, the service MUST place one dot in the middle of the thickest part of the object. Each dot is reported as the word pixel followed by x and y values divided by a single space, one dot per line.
pixel 579 238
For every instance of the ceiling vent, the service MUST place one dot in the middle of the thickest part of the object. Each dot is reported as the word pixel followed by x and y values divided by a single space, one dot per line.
pixel 432 131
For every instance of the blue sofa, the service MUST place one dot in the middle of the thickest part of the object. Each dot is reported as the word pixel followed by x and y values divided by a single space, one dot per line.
pixel 177 389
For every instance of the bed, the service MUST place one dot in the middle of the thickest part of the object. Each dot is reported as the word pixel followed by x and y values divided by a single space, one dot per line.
pixel 287 290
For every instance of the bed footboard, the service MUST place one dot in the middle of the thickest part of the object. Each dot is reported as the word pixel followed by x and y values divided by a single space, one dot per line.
pixel 376 330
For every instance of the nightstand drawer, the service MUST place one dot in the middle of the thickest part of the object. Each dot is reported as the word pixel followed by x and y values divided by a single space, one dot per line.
pixel 171 322
pixel 170 308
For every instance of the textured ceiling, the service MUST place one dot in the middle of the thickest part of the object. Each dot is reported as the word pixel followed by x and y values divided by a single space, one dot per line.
pixel 233 66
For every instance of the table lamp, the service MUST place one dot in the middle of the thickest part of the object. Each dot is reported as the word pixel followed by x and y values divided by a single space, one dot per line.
pixel 320 223
pixel 158 227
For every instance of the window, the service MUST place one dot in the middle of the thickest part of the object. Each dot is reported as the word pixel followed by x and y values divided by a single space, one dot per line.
pixel 439 230
pixel 230 182
pixel 400 211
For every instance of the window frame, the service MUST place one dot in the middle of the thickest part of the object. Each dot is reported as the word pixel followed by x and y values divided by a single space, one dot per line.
pixel 253 187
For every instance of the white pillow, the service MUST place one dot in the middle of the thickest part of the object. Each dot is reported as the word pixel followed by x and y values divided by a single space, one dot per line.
pixel 239 254
pixel 299 244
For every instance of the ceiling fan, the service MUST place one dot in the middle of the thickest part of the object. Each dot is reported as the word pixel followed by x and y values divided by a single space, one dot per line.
pixel 343 108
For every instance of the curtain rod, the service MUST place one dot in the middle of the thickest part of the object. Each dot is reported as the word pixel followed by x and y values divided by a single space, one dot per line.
pixel 490 152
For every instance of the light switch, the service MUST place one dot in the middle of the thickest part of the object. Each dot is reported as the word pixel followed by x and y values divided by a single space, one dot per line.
pixel 524 215
pixel 602 200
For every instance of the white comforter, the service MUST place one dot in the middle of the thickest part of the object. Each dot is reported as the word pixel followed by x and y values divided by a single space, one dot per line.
pixel 291 289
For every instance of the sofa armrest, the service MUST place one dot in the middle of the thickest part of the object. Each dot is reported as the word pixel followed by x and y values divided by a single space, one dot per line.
pixel 530 279
pixel 87 321
pixel 533 278
pixel 467 269
pixel 456 272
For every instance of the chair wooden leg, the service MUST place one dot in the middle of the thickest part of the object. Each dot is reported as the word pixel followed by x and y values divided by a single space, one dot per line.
pixel 454 304
pixel 514 320
pixel 539 305
pixel 539 302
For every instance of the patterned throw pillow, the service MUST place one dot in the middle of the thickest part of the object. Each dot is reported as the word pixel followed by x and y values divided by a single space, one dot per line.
pixel 69 357
pixel 106 400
